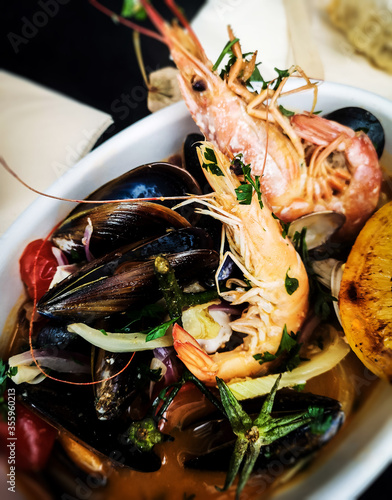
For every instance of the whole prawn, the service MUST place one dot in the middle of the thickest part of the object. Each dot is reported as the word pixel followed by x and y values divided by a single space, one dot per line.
pixel 266 259
pixel 297 179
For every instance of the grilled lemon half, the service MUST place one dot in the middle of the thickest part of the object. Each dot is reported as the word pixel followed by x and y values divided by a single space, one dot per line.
pixel 365 297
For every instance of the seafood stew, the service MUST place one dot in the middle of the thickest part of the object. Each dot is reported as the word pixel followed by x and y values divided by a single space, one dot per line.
pixel 217 477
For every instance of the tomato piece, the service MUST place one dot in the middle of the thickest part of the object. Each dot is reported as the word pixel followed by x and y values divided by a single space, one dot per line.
pixel 37 267
pixel 34 439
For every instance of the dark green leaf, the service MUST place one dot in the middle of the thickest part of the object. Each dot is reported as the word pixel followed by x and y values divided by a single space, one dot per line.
pixel 160 330
pixel 286 112
pixel 226 50
pixel 103 331
pixel 291 284
pixel 244 194
pixel 133 8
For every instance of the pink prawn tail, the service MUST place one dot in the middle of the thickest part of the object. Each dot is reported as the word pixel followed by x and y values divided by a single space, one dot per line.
pixel 318 130
pixel 194 358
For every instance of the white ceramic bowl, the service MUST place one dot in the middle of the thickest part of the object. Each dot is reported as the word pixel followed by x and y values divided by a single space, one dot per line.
pixel 367 447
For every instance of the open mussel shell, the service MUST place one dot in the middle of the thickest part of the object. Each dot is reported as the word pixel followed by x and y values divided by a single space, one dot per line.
pixel 115 282
pixel 320 226
pixel 361 119
pixel 115 225
pixel 71 409
pixel 113 394
pixel 286 451
pixel 153 180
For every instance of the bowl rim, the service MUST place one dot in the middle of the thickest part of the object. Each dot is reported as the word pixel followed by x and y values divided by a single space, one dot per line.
pixel 371 439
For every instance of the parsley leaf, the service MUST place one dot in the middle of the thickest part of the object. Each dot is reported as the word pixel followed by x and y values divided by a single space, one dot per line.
pixel 291 284
pixel 226 50
pixel 160 330
pixel 213 167
pixel 244 194
pixel 285 225
pixel 289 347
pixel 133 8
pixel 285 112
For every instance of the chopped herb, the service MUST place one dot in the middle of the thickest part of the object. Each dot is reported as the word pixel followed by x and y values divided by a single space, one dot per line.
pixel 299 387
pixel 133 8
pixel 291 284
pixel 244 195
pixel 285 225
pixel 103 331
pixel 212 166
pixel 289 347
pixel 317 112
pixel 226 50
pixel 160 330
pixel 286 112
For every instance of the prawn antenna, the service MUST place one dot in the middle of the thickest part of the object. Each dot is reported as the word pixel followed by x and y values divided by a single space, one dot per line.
pixel 120 200
pixel 126 22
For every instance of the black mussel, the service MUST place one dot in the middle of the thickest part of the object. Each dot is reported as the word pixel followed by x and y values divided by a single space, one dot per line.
pixel 115 282
pixel 54 333
pixel 115 225
pixel 360 119
pixel 153 180
pixel 287 450
pixel 192 162
pixel 71 409
pixel 114 393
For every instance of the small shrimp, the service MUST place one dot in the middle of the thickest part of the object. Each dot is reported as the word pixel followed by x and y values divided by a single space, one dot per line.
pixel 266 259
pixel 237 120
pixel 341 175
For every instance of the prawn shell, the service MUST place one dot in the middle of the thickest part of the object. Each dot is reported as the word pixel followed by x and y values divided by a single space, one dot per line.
pixel 152 180
pixel 115 225
pixel 297 445
pixel 361 119
pixel 115 282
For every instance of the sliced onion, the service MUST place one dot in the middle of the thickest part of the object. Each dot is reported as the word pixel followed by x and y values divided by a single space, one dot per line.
pixel 319 363
pixel 119 342
pixel 168 356
pixel 52 358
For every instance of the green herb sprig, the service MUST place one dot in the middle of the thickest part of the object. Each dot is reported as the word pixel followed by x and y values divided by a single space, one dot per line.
pixel 289 349
pixel 245 191
pixel 254 435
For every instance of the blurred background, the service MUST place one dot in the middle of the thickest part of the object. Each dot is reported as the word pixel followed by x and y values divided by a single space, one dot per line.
pixel 70 47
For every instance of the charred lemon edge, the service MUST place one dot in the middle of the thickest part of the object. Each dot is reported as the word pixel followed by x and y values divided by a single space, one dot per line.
pixel 369 336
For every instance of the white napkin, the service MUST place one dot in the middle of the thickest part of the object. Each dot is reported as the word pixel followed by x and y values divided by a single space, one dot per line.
pixel 43 134
pixel 264 25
